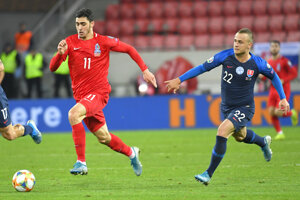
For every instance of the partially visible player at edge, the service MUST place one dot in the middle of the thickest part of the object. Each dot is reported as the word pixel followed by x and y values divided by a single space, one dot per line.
pixel 286 72
pixel 9 131
pixel 239 72
pixel 88 63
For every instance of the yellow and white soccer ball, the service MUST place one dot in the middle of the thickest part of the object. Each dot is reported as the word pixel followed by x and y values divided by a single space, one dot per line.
pixel 23 181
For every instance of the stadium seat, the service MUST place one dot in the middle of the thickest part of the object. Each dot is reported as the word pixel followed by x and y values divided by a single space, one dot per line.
pixel 215 8
pixel 99 27
pixel 186 26
pixel 157 42
pixel 215 25
pixel 141 10
pixel 290 6
pixel 291 22
pixel 245 7
pixel 128 39
pixel 156 26
pixel 185 9
pixel 141 42
pixel 171 41
pixel 112 11
pixel 127 27
pixel 171 9
pixel 261 23
pixel 156 9
pixel 201 41
pixel 231 24
pixel 127 10
pixel 276 23
pixel 280 36
pixel 216 41
pixel 246 22
pixel 228 40
pixel 230 8
pixel 112 28
pixel 293 36
pixel 262 37
pixel 274 7
pixel 141 26
pixel 186 41
pixel 200 9
pixel 260 7
pixel 201 25
pixel 170 25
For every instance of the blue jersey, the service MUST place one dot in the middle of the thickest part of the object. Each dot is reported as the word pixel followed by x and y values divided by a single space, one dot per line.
pixel 238 79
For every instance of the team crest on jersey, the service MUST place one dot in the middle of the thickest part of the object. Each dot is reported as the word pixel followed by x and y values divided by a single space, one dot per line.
pixel 97 50
pixel 210 60
pixel 268 66
pixel 278 67
pixel 239 70
pixel 250 73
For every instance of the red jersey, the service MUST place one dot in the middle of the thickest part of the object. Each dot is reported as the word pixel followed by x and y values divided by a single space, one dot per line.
pixel 89 62
pixel 286 72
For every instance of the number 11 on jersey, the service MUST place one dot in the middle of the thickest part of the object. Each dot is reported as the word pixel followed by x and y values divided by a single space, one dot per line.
pixel 87 61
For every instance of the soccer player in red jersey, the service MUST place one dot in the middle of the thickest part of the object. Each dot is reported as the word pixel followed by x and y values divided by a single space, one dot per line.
pixel 286 72
pixel 88 63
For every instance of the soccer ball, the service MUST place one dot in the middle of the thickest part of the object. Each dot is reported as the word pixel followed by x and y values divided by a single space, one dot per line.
pixel 23 181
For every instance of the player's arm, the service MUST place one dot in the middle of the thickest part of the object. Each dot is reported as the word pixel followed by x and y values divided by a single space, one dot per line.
pixel 132 52
pixel 216 60
pixel 2 73
pixel 62 51
pixel 268 71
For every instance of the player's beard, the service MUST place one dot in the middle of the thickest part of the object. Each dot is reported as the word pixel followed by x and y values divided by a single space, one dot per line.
pixel 274 53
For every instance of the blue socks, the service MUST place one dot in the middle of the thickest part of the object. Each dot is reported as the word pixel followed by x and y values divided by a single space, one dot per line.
pixel 217 154
pixel 28 130
pixel 251 138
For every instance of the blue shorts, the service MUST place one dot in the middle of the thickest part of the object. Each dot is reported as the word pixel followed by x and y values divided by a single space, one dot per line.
pixel 5 119
pixel 239 116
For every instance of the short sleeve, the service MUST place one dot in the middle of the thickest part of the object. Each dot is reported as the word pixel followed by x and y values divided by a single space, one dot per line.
pixel 264 67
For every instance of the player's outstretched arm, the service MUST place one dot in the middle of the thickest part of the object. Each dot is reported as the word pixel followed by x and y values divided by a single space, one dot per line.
pixel 132 52
pixel 173 85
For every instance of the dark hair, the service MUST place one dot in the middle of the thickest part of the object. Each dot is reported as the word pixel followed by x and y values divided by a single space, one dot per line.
pixel 85 12
pixel 247 31
pixel 275 41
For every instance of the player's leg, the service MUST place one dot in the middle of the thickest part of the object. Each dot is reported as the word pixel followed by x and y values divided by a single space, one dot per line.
pixel 224 131
pixel 248 136
pixel 76 114
pixel 116 144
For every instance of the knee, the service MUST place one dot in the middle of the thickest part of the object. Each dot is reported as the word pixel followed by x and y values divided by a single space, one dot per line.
pixel 222 132
pixel 73 116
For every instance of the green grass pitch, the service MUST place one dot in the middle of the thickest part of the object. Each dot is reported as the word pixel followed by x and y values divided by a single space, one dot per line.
pixel 170 160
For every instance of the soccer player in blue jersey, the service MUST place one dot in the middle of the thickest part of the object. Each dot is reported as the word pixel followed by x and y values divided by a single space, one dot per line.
pixel 239 72
pixel 7 130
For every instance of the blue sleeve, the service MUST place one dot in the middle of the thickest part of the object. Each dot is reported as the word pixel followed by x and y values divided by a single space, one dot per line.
pixel 278 86
pixel 266 69
pixel 211 63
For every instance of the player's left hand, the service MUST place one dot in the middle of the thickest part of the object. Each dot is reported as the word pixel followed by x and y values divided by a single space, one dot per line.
pixel 149 77
pixel 284 106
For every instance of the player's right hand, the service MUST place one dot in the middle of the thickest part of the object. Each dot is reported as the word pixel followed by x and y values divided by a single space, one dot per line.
pixel 173 84
pixel 62 47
